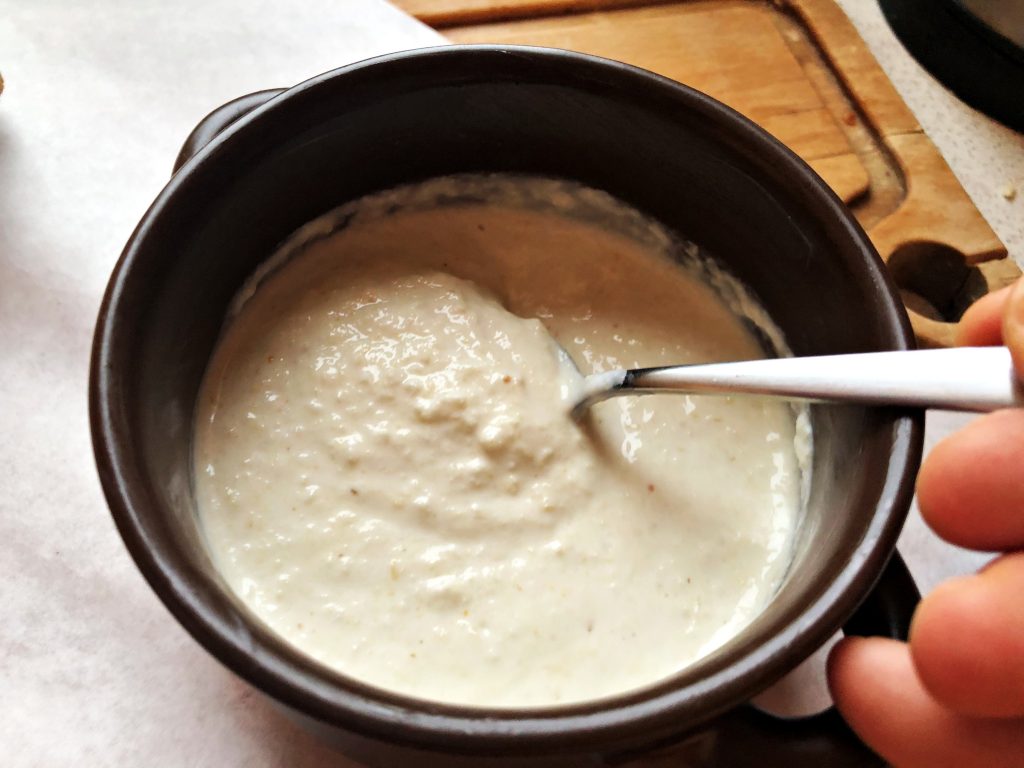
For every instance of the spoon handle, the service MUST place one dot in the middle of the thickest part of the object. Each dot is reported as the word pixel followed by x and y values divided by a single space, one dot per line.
pixel 961 379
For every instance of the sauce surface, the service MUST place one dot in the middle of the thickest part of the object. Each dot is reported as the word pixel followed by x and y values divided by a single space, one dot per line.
pixel 387 475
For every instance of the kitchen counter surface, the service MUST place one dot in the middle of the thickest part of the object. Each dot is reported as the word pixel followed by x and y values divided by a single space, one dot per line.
pixel 97 101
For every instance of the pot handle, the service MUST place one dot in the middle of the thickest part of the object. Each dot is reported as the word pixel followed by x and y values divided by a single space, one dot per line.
pixel 748 736
pixel 219 119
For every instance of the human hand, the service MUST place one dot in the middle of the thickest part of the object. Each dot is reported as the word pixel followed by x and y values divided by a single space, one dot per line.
pixel 954 694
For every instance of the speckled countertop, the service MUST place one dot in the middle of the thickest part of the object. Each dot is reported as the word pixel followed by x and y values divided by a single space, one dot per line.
pixel 98 98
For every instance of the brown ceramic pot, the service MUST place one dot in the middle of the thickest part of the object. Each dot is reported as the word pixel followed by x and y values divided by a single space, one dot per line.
pixel 260 167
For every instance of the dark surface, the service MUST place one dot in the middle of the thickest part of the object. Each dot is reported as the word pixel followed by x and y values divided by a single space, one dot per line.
pixel 671 152
pixel 981 66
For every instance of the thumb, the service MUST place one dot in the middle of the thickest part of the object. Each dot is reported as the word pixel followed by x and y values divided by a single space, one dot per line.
pixel 1013 326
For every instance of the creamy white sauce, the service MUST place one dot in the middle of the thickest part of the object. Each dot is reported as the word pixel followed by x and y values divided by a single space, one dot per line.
pixel 388 477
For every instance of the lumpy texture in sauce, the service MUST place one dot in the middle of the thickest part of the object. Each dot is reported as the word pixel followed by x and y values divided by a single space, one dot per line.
pixel 388 477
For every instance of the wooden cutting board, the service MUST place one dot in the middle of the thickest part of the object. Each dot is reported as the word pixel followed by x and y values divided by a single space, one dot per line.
pixel 800 70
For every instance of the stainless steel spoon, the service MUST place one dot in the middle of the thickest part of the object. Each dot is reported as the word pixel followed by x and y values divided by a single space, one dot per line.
pixel 961 379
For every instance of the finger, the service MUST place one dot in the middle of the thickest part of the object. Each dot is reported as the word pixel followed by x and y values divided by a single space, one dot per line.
pixel 1013 326
pixel 878 692
pixel 970 489
pixel 982 323
pixel 967 641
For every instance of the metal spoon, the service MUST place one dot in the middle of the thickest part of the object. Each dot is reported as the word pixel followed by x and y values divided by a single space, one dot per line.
pixel 961 379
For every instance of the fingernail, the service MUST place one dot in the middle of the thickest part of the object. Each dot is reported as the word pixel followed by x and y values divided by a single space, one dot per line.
pixel 1015 307
pixel 1013 326
pixel 844 645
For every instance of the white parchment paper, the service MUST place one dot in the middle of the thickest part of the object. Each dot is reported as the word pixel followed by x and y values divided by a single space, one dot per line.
pixel 98 98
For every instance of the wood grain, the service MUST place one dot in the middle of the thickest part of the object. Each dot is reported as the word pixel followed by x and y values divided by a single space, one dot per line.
pixel 442 14
pixel 800 70
pixel 696 43
pixel 938 245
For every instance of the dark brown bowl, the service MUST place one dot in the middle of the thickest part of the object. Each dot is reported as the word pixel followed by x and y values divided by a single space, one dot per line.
pixel 670 151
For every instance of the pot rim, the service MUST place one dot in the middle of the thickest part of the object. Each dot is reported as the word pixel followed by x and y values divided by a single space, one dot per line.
pixel 668 707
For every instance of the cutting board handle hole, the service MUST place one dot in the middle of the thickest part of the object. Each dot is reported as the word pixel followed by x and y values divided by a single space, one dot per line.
pixel 935 280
